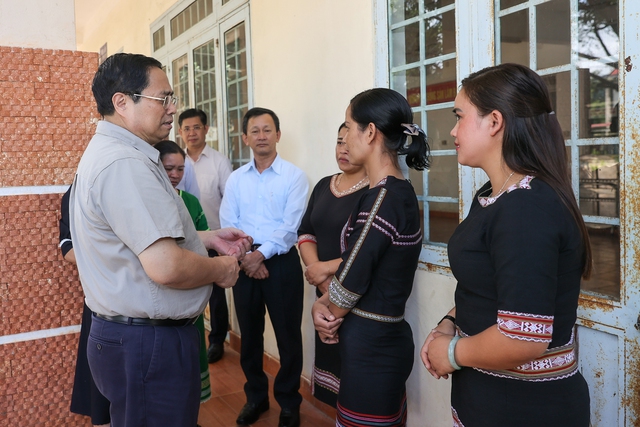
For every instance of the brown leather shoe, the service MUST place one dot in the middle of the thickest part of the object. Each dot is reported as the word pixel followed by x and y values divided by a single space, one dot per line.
pixel 251 412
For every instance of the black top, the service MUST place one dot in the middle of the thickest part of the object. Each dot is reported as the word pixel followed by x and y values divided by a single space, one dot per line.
pixel 65 231
pixel 520 256
pixel 384 239
pixel 326 216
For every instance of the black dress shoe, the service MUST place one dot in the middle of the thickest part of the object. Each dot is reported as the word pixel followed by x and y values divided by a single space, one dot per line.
pixel 215 352
pixel 289 418
pixel 251 412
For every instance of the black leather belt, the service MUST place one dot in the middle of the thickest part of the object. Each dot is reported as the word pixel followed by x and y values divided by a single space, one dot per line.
pixel 146 322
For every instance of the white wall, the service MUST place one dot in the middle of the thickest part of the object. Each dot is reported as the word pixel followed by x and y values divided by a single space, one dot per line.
pixel 309 60
pixel 121 24
pixel 38 24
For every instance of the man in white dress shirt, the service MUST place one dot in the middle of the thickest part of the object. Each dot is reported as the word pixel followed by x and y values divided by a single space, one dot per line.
pixel 211 170
pixel 266 198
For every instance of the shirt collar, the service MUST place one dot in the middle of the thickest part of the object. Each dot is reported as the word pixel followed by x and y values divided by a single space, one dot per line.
pixel 276 165
pixel 112 130
pixel 206 151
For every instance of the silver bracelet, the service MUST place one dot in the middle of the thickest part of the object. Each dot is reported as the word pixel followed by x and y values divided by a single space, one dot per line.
pixel 451 353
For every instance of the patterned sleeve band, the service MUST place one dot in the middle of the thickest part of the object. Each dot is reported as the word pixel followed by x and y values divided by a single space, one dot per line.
pixel 307 238
pixel 524 326
pixel 342 297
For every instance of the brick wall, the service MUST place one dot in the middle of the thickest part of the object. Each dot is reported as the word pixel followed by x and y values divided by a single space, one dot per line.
pixel 47 116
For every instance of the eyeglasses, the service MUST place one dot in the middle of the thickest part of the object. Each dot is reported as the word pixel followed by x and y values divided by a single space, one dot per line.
pixel 169 99
pixel 195 128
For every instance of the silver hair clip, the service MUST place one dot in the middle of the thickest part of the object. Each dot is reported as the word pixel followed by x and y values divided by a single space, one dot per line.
pixel 412 129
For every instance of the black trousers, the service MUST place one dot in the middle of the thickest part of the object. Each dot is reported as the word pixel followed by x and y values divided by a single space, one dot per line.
pixel 219 312
pixel 282 294
pixel 219 315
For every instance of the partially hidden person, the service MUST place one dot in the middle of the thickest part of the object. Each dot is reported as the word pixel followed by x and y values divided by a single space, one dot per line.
pixel 211 169
pixel 86 399
pixel 173 158
pixel 329 207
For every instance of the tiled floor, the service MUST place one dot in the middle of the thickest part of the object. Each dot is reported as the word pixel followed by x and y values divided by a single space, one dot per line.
pixel 228 397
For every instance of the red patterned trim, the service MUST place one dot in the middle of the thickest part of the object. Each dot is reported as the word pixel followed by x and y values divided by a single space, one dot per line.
pixel 524 326
pixel 325 379
pixel 347 418
pixel 456 418
pixel 555 364
pixel 307 238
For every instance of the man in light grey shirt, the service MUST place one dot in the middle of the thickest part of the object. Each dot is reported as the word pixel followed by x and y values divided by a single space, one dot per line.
pixel 143 266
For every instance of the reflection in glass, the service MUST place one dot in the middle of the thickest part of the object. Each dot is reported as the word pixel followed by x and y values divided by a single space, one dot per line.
pixel 504 4
pixel 180 83
pixel 237 92
pixel 405 45
pixel 440 35
pixel 514 38
pixel 430 5
pixel 204 71
pixel 439 125
pixel 443 176
pixel 443 220
pixel 441 82
pixel 399 10
pixel 605 249
pixel 407 83
pixel 600 180
pixel 553 42
pixel 598 55
pixel 559 86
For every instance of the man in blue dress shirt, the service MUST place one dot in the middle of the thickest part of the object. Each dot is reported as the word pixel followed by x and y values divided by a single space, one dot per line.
pixel 266 199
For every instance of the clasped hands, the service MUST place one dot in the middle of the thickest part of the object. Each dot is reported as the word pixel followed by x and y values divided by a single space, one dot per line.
pixel 324 321
pixel 319 274
pixel 434 352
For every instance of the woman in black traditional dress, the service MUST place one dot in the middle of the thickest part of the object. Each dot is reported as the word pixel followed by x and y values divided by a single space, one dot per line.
pixel 518 257
pixel 331 202
pixel 382 241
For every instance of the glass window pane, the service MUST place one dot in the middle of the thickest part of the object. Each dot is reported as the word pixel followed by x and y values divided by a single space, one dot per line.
pixel 405 45
pixel 399 10
pixel 559 86
pixel 407 83
pixel 600 180
pixel 180 68
pixel 441 82
pixel 205 88
pixel 553 25
pixel 605 247
pixel 440 35
pixel 598 55
pixel 443 220
pixel 439 125
pixel 514 38
pixel 443 176
pixel 430 5
pixel 236 84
